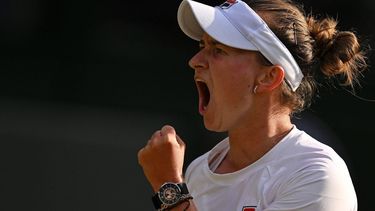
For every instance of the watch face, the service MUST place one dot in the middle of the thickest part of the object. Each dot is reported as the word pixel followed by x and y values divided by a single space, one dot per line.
pixel 169 193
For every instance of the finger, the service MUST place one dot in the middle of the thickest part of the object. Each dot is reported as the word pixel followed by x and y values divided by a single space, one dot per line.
pixel 155 136
pixel 180 141
pixel 140 156
pixel 168 133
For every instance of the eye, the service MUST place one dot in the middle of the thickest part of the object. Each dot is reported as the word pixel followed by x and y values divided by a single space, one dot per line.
pixel 218 50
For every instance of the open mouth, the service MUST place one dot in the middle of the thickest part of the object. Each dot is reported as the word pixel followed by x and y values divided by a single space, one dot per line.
pixel 204 95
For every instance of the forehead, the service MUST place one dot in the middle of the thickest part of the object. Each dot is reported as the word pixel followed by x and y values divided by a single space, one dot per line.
pixel 208 40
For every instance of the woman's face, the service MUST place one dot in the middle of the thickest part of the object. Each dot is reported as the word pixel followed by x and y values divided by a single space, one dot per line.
pixel 225 79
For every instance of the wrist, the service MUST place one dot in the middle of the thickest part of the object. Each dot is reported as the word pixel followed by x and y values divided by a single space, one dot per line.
pixel 156 185
pixel 170 195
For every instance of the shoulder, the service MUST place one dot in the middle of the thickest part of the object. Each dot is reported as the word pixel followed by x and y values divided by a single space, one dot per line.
pixel 300 143
pixel 300 152
pixel 318 186
pixel 312 175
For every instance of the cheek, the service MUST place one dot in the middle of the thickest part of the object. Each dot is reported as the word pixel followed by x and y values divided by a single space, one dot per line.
pixel 239 80
pixel 233 88
pixel 234 79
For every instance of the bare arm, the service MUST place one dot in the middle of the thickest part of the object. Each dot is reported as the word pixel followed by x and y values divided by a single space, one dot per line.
pixel 162 161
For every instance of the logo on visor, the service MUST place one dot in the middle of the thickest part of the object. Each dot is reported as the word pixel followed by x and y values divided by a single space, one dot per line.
pixel 227 4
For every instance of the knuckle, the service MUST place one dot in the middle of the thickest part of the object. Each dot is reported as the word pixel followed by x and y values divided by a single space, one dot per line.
pixel 171 143
pixel 167 129
pixel 155 135
pixel 140 156
pixel 183 144
pixel 180 141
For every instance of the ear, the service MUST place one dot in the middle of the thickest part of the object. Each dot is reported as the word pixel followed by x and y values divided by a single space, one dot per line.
pixel 270 79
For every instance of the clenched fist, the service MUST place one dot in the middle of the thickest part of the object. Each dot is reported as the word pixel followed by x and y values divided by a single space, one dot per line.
pixel 162 158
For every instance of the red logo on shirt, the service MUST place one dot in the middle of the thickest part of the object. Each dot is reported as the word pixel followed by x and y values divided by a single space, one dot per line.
pixel 247 208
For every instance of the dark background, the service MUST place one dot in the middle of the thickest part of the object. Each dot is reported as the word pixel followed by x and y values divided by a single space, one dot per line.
pixel 84 84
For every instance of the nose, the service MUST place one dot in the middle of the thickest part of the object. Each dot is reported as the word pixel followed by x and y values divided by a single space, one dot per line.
pixel 198 61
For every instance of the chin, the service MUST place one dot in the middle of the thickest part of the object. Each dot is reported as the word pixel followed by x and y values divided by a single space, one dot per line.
pixel 214 128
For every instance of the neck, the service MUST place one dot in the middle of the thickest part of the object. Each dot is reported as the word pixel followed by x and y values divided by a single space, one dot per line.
pixel 250 143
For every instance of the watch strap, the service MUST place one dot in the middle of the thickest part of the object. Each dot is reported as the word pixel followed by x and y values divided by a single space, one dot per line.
pixel 156 201
pixel 183 188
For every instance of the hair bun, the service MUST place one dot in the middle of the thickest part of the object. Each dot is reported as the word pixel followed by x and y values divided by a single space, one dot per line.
pixel 323 33
pixel 339 52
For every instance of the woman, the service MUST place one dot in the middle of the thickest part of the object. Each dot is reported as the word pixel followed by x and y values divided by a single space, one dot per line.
pixel 256 67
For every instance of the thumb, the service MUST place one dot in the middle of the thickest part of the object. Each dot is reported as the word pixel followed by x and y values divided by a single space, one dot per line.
pixel 168 130
pixel 168 133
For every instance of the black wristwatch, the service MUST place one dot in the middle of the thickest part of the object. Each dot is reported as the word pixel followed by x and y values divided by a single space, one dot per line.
pixel 170 194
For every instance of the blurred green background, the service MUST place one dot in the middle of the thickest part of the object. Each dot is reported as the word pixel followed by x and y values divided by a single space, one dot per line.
pixel 84 84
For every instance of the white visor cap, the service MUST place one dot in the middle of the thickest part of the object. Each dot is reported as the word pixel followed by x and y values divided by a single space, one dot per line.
pixel 236 25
